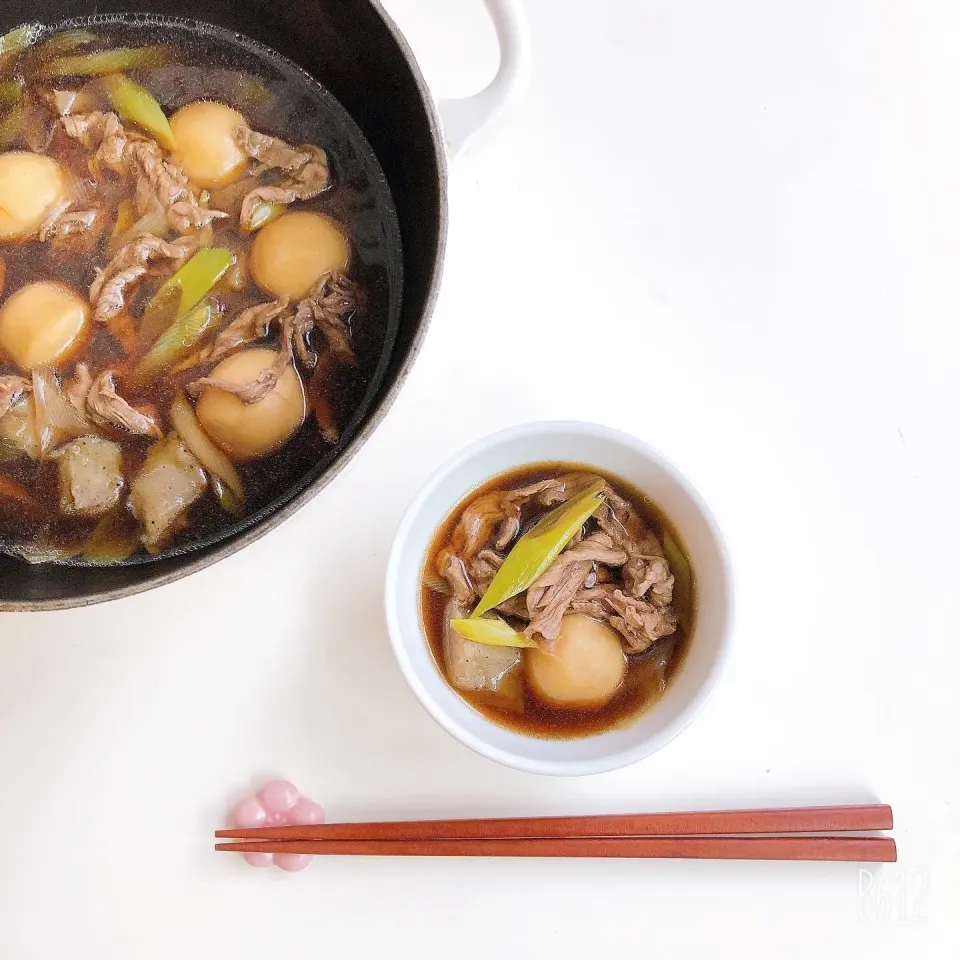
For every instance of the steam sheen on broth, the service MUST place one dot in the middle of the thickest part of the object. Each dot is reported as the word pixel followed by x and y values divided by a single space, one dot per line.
pixel 582 601
pixel 199 279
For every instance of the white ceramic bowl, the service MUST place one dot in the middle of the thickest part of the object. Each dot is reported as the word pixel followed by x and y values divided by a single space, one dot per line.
pixel 645 468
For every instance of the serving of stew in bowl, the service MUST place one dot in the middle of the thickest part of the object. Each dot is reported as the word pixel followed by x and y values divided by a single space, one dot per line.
pixel 559 598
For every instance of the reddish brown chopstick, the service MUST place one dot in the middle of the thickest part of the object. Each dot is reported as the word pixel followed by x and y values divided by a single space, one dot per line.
pixel 708 822
pixel 859 849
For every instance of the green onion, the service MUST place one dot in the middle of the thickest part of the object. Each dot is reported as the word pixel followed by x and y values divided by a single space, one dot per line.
pixel 262 214
pixel 228 500
pixel 114 538
pixel 179 340
pixel 65 42
pixel 492 632
pixel 533 553
pixel 184 290
pixel 10 91
pixel 12 44
pixel 106 61
pixel 137 105
pixel 20 38
pixel 11 126
pixel 680 568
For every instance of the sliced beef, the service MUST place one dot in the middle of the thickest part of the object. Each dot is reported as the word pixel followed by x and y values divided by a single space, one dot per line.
pixel 91 476
pixel 264 385
pixel 114 285
pixel 640 623
pixel 453 570
pixel 106 407
pixel 648 577
pixel 77 388
pixel 76 230
pixel 271 152
pixel 590 600
pixel 305 172
pixel 102 132
pixel 647 573
pixel 507 532
pixel 482 569
pixel 163 187
pixel 515 607
pixel 105 135
pixel 626 527
pixel 327 309
pixel 248 326
pixel 550 597
pixel 79 230
pixel 487 513
pixel 478 523
pixel 54 216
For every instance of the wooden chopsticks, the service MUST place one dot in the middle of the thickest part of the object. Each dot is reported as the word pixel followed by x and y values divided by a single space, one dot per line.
pixel 706 835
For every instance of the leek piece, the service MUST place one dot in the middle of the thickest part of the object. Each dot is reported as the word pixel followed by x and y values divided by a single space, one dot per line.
pixel 10 91
pixel 533 553
pixel 126 217
pixel 184 290
pixel 12 44
pixel 137 105
pixel 492 632
pixel 178 341
pixel 228 500
pixel 114 538
pixel 66 41
pixel 210 456
pixel 262 214
pixel 19 39
pixel 106 61
pixel 192 282
pixel 11 126
pixel 153 221
pixel 680 568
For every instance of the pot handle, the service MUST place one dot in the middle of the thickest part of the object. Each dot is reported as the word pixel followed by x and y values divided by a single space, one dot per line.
pixel 463 119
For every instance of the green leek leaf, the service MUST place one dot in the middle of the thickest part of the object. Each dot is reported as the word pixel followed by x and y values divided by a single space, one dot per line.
pixel 179 340
pixel 184 290
pixel 137 105
pixel 492 632
pixel 533 553
pixel 107 61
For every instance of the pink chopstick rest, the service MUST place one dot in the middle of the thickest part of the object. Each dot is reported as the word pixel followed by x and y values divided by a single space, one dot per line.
pixel 277 804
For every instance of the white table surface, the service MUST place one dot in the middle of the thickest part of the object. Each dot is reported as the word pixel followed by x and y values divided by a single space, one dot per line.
pixel 730 228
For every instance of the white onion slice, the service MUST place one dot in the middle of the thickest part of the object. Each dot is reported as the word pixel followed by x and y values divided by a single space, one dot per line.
pixel 211 457
pixel 57 419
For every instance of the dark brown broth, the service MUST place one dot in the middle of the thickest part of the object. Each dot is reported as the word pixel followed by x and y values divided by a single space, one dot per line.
pixel 647 676
pixel 213 64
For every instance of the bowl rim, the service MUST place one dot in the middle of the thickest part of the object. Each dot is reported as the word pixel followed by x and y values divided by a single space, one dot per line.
pixel 557 767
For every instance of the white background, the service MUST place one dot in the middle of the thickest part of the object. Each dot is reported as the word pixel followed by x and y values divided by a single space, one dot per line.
pixel 732 228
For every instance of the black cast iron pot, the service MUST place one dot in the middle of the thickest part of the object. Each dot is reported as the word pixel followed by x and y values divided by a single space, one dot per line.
pixel 352 46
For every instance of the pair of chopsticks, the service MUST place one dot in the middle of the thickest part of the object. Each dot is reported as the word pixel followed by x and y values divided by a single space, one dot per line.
pixel 708 835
